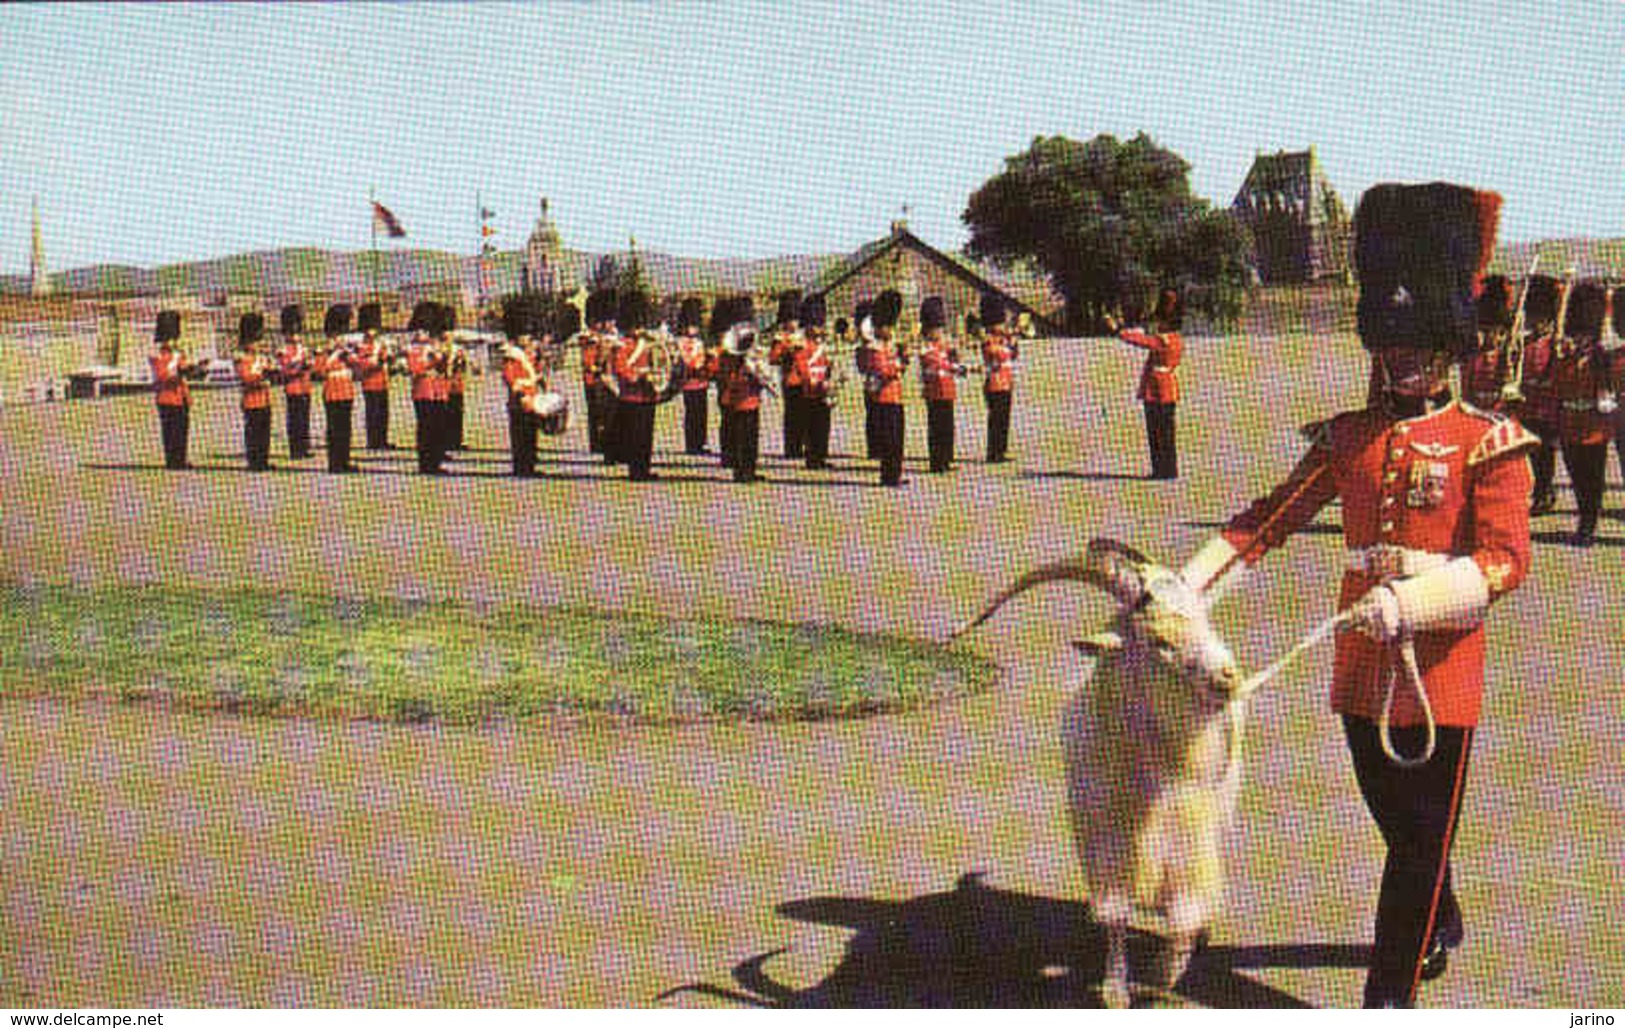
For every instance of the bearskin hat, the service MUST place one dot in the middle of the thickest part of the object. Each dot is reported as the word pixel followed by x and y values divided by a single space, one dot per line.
pixel 369 317
pixel 722 313
pixel 168 328
pixel 1588 308
pixel 566 321
pixel 1418 251
pixel 888 308
pixel 973 325
pixel 813 312
pixel 250 328
pixel 601 306
pixel 447 318
pixel 293 319
pixel 1495 303
pixel 842 326
pixel 690 314
pixel 635 312
pixel 789 305
pixel 1614 320
pixel 425 317
pixel 1170 310
pixel 992 309
pixel 337 321
pixel 932 313
pixel 1541 299
pixel 862 311
pixel 518 316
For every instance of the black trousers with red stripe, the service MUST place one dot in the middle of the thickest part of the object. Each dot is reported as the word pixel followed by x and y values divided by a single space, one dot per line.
pixel 1416 810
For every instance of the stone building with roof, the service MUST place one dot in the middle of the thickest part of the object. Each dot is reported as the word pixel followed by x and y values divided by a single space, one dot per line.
pixel 1301 229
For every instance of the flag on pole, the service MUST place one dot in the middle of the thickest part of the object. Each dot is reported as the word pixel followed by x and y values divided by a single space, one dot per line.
pixel 382 219
pixel 487 230
pixel 487 213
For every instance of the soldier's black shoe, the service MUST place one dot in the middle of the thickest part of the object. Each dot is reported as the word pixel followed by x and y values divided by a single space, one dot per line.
pixel 1435 961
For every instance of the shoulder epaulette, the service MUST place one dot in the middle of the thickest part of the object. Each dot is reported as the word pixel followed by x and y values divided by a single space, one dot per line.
pixel 1505 436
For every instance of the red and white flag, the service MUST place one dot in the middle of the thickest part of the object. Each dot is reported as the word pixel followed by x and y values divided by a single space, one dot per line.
pixel 383 220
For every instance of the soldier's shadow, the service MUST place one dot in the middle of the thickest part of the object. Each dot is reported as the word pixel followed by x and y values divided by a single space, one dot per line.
pixel 977 946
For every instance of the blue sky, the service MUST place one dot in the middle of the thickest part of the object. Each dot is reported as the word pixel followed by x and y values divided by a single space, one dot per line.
pixel 160 133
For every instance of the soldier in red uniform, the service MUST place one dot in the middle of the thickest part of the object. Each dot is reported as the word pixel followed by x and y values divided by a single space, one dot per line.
pixel 1614 348
pixel 743 375
pixel 999 352
pixel 694 376
pixel 1436 528
pixel 1584 382
pixel 813 364
pixel 1537 405
pixel 254 373
pixel 940 371
pixel 336 366
pixel 170 369
pixel 863 322
pixel 373 358
pixel 634 361
pixel 293 368
pixel 523 379
pixel 787 341
pixel 454 412
pixel 426 364
pixel 1159 385
pixel 884 381
pixel 1484 373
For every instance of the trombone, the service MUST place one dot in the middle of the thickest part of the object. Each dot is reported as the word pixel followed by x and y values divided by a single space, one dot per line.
pixel 1512 389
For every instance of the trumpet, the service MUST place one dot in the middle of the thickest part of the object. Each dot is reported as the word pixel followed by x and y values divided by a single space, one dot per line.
pixel 1512 389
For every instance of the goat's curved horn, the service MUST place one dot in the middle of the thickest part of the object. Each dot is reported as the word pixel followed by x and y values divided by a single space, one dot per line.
pixel 1107 564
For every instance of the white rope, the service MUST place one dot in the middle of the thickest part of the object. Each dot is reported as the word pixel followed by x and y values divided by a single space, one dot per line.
pixel 1304 645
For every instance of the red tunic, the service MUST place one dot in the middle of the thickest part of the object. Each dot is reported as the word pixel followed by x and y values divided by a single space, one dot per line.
pixel 885 376
pixel 938 380
pixel 697 369
pixel 251 375
pixel 998 360
pixel 741 391
pixel 782 355
pixel 1482 376
pixel 812 368
pixel 1540 403
pixel 1158 384
pixel 428 382
pixel 1580 373
pixel 338 378
pixel 294 362
pixel 372 365
pixel 631 368
pixel 167 380
pixel 1454 483
pixel 592 360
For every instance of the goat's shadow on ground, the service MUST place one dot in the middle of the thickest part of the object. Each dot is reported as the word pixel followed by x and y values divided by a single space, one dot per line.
pixel 977 946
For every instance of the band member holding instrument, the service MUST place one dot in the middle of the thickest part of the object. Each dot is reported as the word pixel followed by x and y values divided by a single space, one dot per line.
pixel 170 370
pixel 1436 528
pixel 293 368
pixel 940 371
pixel 743 374
pixel 999 352
pixel 595 347
pixel 373 358
pixel 1531 380
pixel 1583 381
pixel 863 322
pixel 723 312
pixel 637 393
pixel 787 341
pixel 695 372
pixel 523 379
pixel 1159 386
pixel 884 381
pixel 813 366
pixel 426 363
pixel 336 366
pixel 254 374
pixel 456 371
pixel 1484 375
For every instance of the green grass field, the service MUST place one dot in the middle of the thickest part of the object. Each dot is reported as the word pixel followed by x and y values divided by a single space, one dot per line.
pixel 199 853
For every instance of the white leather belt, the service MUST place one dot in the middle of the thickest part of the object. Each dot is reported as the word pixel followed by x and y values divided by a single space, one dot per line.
pixel 1579 405
pixel 1387 562
pixel 1161 367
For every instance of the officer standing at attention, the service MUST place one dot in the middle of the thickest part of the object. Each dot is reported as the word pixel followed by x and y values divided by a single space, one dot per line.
pixel 999 352
pixel 254 371
pixel 1435 527
pixel 170 369
pixel 939 381
pixel 1159 386
pixel 293 368
pixel 372 366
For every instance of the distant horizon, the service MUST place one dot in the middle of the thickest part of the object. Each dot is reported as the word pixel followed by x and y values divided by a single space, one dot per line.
pixel 744 129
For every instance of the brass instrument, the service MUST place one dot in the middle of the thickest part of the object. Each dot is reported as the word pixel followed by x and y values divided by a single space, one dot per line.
pixel 1512 389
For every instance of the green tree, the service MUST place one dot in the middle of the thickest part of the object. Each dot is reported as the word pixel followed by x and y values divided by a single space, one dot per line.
pixel 1110 222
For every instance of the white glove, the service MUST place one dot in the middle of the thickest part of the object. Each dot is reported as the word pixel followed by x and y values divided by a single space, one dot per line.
pixel 1376 615
pixel 1213 569
pixel 1607 403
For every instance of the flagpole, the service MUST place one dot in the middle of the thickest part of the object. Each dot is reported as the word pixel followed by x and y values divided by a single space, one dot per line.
pixel 372 219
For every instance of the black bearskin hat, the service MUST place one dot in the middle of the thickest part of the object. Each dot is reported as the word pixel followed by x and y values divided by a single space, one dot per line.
pixel 1495 303
pixel 566 321
pixel 1613 312
pixel 1588 307
pixel 635 312
pixel 888 308
pixel 973 325
pixel 813 312
pixel 369 317
pixel 601 306
pixel 841 326
pixel 1541 300
pixel 789 305
pixel 992 309
pixel 690 314
pixel 447 318
pixel 863 310
pixel 425 316
pixel 932 313
pixel 250 328
pixel 518 316
pixel 168 328
pixel 1170 310
pixel 722 313
pixel 293 319
pixel 1418 251
pixel 337 321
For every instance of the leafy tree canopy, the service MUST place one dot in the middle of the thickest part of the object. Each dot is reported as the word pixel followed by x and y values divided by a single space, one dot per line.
pixel 1110 222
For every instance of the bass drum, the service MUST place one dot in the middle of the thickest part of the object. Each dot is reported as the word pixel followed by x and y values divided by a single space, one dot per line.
pixel 552 410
